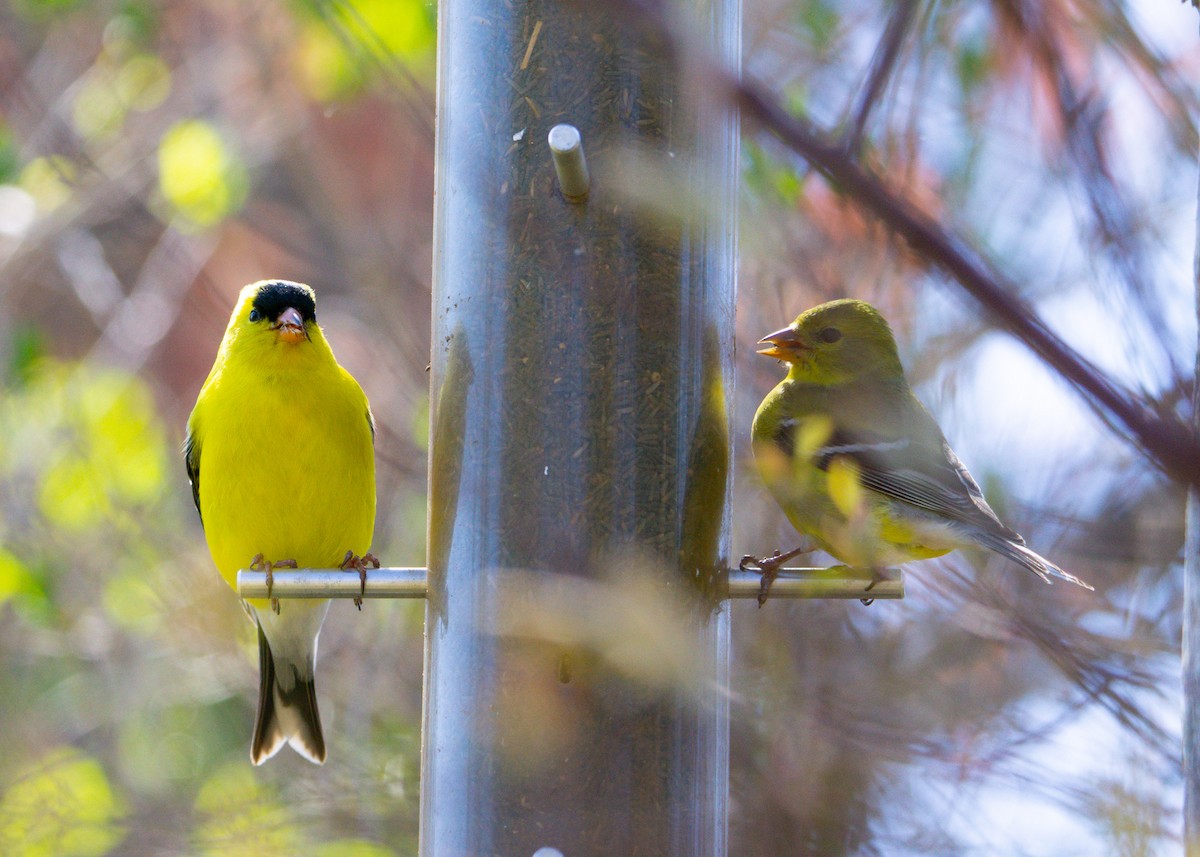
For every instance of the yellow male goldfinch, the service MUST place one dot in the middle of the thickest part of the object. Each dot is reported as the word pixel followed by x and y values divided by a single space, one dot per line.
pixel 280 456
pixel 857 462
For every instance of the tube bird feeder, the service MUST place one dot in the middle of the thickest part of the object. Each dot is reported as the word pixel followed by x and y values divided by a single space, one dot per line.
pixel 579 466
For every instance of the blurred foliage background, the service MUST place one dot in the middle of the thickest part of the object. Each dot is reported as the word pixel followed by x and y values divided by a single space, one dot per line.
pixel 156 155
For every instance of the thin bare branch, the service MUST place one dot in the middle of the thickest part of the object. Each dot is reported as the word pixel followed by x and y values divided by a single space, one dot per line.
pixel 1191 618
pixel 1085 117
pixel 883 66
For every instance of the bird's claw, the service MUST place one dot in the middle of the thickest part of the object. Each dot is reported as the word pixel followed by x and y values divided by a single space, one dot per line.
pixel 768 567
pixel 877 576
pixel 359 564
pixel 260 564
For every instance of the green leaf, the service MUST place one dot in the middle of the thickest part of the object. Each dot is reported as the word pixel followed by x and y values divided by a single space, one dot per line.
pixel 243 818
pixel 199 176
pixel 62 806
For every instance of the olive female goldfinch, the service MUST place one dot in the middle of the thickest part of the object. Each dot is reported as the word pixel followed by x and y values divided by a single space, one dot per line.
pixel 857 462
pixel 280 455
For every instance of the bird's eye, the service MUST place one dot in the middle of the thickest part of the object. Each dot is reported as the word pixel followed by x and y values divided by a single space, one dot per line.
pixel 255 315
pixel 830 334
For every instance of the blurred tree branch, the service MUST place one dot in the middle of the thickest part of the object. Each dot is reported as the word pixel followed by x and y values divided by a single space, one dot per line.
pixel 1191 614
pixel 1164 438
pixel 883 65
pixel 1080 110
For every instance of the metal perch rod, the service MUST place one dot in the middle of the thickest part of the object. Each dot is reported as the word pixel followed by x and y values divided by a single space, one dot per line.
pixel 836 582
pixel 839 581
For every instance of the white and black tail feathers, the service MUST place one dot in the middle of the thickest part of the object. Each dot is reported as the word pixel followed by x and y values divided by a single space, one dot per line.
pixel 1023 556
pixel 287 694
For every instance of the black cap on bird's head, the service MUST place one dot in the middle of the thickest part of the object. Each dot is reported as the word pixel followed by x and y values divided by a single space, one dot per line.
pixel 287 307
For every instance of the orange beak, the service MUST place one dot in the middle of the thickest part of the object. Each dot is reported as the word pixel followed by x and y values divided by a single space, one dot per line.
pixel 290 325
pixel 782 344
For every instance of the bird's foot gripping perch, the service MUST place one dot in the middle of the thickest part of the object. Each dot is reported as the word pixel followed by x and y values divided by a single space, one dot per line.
pixel 260 564
pixel 769 567
pixel 877 576
pixel 359 564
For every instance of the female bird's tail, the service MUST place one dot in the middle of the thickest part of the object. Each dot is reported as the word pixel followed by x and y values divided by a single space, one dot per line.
pixel 287 693
pixel 1023 556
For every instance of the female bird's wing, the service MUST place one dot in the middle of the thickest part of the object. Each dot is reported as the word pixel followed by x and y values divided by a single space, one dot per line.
pixel 902 454
pixel 905 469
